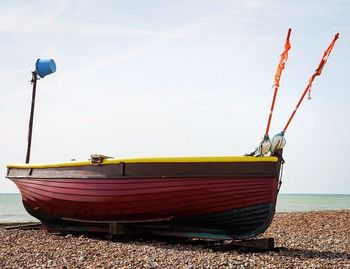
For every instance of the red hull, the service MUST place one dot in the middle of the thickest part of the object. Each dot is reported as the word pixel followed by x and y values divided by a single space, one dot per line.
pixel 142 199
pixel 178 201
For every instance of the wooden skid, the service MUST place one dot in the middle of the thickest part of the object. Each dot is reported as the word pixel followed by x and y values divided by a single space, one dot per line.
pixel 24 226
pixel 261 244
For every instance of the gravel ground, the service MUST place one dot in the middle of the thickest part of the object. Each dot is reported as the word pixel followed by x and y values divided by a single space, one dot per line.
pixel 305 240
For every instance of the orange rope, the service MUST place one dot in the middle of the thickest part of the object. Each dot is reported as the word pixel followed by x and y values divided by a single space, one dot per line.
pixel 283 60
pixel 280 67
pixel 318 72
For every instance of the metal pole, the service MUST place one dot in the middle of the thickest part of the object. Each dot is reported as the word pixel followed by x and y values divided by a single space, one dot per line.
pixel 30 129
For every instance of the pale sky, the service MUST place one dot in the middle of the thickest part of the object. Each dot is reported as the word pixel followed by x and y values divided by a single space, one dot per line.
pixel 177 78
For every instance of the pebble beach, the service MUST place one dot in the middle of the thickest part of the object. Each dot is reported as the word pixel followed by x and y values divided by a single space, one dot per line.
pixel 302 240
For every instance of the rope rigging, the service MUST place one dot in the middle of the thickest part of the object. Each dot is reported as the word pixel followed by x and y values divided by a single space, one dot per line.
pixel 278 141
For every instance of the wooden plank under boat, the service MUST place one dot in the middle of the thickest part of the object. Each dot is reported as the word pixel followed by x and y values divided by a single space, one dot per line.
pixel 205 197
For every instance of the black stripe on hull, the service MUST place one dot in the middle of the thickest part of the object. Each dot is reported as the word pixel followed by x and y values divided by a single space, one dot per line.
pixel 242 223
pixel 239 223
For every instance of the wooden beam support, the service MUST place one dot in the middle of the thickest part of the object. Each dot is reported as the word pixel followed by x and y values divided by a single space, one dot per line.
pixel 261 244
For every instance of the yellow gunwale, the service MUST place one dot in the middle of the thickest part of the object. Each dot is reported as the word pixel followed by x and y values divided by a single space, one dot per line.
pixel 244 159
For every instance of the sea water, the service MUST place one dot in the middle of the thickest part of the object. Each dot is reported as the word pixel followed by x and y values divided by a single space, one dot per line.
pixel 312 202
pixel 12 210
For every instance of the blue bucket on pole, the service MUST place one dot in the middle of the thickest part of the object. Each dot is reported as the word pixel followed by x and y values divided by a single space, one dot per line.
pixel 45 67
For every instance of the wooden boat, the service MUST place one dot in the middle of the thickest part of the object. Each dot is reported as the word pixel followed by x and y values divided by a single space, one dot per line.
pixel 204 197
